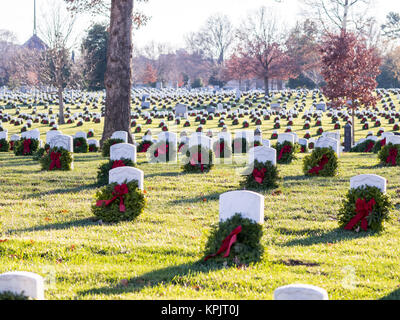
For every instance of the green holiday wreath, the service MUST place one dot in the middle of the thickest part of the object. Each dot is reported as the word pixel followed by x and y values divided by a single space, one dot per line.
pixel 132 206
pixel 322 162
pixel 361 201
pixel 4 145
pixel 81 145
pixel 264 175
pixel 247 248
pixel 162 152
pixel 222 149
pixel 196 159
pixel 56 159
pixel 389 155
pixel 286 152
pixel 26 147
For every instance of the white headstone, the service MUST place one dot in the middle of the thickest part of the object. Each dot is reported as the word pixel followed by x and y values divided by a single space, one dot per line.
pixel 81 134
pixel 32 134
pixel 200 139
pixel 372 180
pixel 324 142
pixel 122 175
pixel 262 154
pixel 62 141
pixel 393 140
pixel 50 134
pixel 4 134
pixel 170 136
pixel 120 135
pixel 123 151
pixel 247 203
pixel 300 292
pixel 283 137
pixel 27 283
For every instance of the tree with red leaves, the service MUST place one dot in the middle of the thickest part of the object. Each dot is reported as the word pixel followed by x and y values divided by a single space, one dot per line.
pixel 149 75
pixel 236 68
pixel 349 68
pixel 262 45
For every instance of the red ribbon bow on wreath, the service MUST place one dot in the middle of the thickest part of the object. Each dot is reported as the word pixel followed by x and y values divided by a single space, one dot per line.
pixel 285 149
pixel 197 159
pixel 161 150
pixel 369 147
pixel 117 164
pixel 392 156
pixel 119 192
pixel 363 209
pixel 226 244
pixel 11 145
pixel 55 160
pixel 259 174
pixel 145 147
pixel 219 151
pixel 27 144
pixel 383 142
pixel 321 165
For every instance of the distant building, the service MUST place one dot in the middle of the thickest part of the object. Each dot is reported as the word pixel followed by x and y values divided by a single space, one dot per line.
pixel 35 43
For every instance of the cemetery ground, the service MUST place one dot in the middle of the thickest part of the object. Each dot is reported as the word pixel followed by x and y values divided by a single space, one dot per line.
pixel 47 227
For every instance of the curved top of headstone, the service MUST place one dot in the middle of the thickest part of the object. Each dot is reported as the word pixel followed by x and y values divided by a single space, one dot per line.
pixel 300 292
pixel 283 137
pixel 326 142
pixel 28 283
pixel 123 151
pixel 62 141
pixel 393 140
pixel 262 154
pixel 372 180
pixel 248 203
pixel 120 135
pixel 122 175
pixel 32 134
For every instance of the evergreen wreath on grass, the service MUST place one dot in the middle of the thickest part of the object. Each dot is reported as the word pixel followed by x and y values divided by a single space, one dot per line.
pixel 365 208
pixel 26 147
pixel 323 162
pixel 222 149
pixel 104 169
pixel 366 146
pixel 81 145
pixel 246 249
pixel 389 155
pixel 93 148
pixel 240 145
pixel 40 152
pixel 115 203
pixel 378 145
pixel 4 145
pixel 105 150
pixel 197 160
pixel 144 146
pixel 162 152
pixel 56 159
pixel 264 176
pixel 286 152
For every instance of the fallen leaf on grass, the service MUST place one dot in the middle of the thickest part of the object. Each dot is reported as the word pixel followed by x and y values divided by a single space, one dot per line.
pixel 124 282
pixel 5 240
pixel 47 219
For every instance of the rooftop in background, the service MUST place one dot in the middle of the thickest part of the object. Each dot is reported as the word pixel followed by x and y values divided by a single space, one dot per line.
pixel 35 43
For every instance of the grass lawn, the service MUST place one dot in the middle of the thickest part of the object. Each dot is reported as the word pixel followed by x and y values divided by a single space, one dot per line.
pixel 49 229
pixel 47 221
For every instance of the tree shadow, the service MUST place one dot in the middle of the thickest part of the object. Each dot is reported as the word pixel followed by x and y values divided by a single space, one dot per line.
pixel 376 166
pixel 62 191
pixel 317 237
pixel 168 275
pixel 57 226
pixel 394 295
pixel 164 174
pixel 209 197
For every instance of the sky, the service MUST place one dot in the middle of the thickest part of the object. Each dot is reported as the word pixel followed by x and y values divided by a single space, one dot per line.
pixel 170 19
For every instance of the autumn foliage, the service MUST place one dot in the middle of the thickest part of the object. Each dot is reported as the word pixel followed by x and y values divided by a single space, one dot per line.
pixel 349 69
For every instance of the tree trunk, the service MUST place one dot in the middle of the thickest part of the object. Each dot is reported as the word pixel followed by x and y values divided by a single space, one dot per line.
pixel 345 15
pixel 61 119
pixel 266 85
pixel 118 77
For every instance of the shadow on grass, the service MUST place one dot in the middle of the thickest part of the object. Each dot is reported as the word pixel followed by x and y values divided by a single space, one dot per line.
pixel 164 174
pixel 318 237
pixel 394 295
pixel 62 191
pixel 57 226
pixel 168 275
pixel 376 166
pixel 209 197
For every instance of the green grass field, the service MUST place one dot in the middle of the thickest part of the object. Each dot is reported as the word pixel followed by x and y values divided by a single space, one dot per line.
pixel 49 229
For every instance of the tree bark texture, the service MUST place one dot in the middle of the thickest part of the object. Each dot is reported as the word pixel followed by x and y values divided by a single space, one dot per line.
pixel 118 77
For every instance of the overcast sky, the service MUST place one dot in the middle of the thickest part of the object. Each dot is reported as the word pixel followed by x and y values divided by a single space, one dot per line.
pixel 170 19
